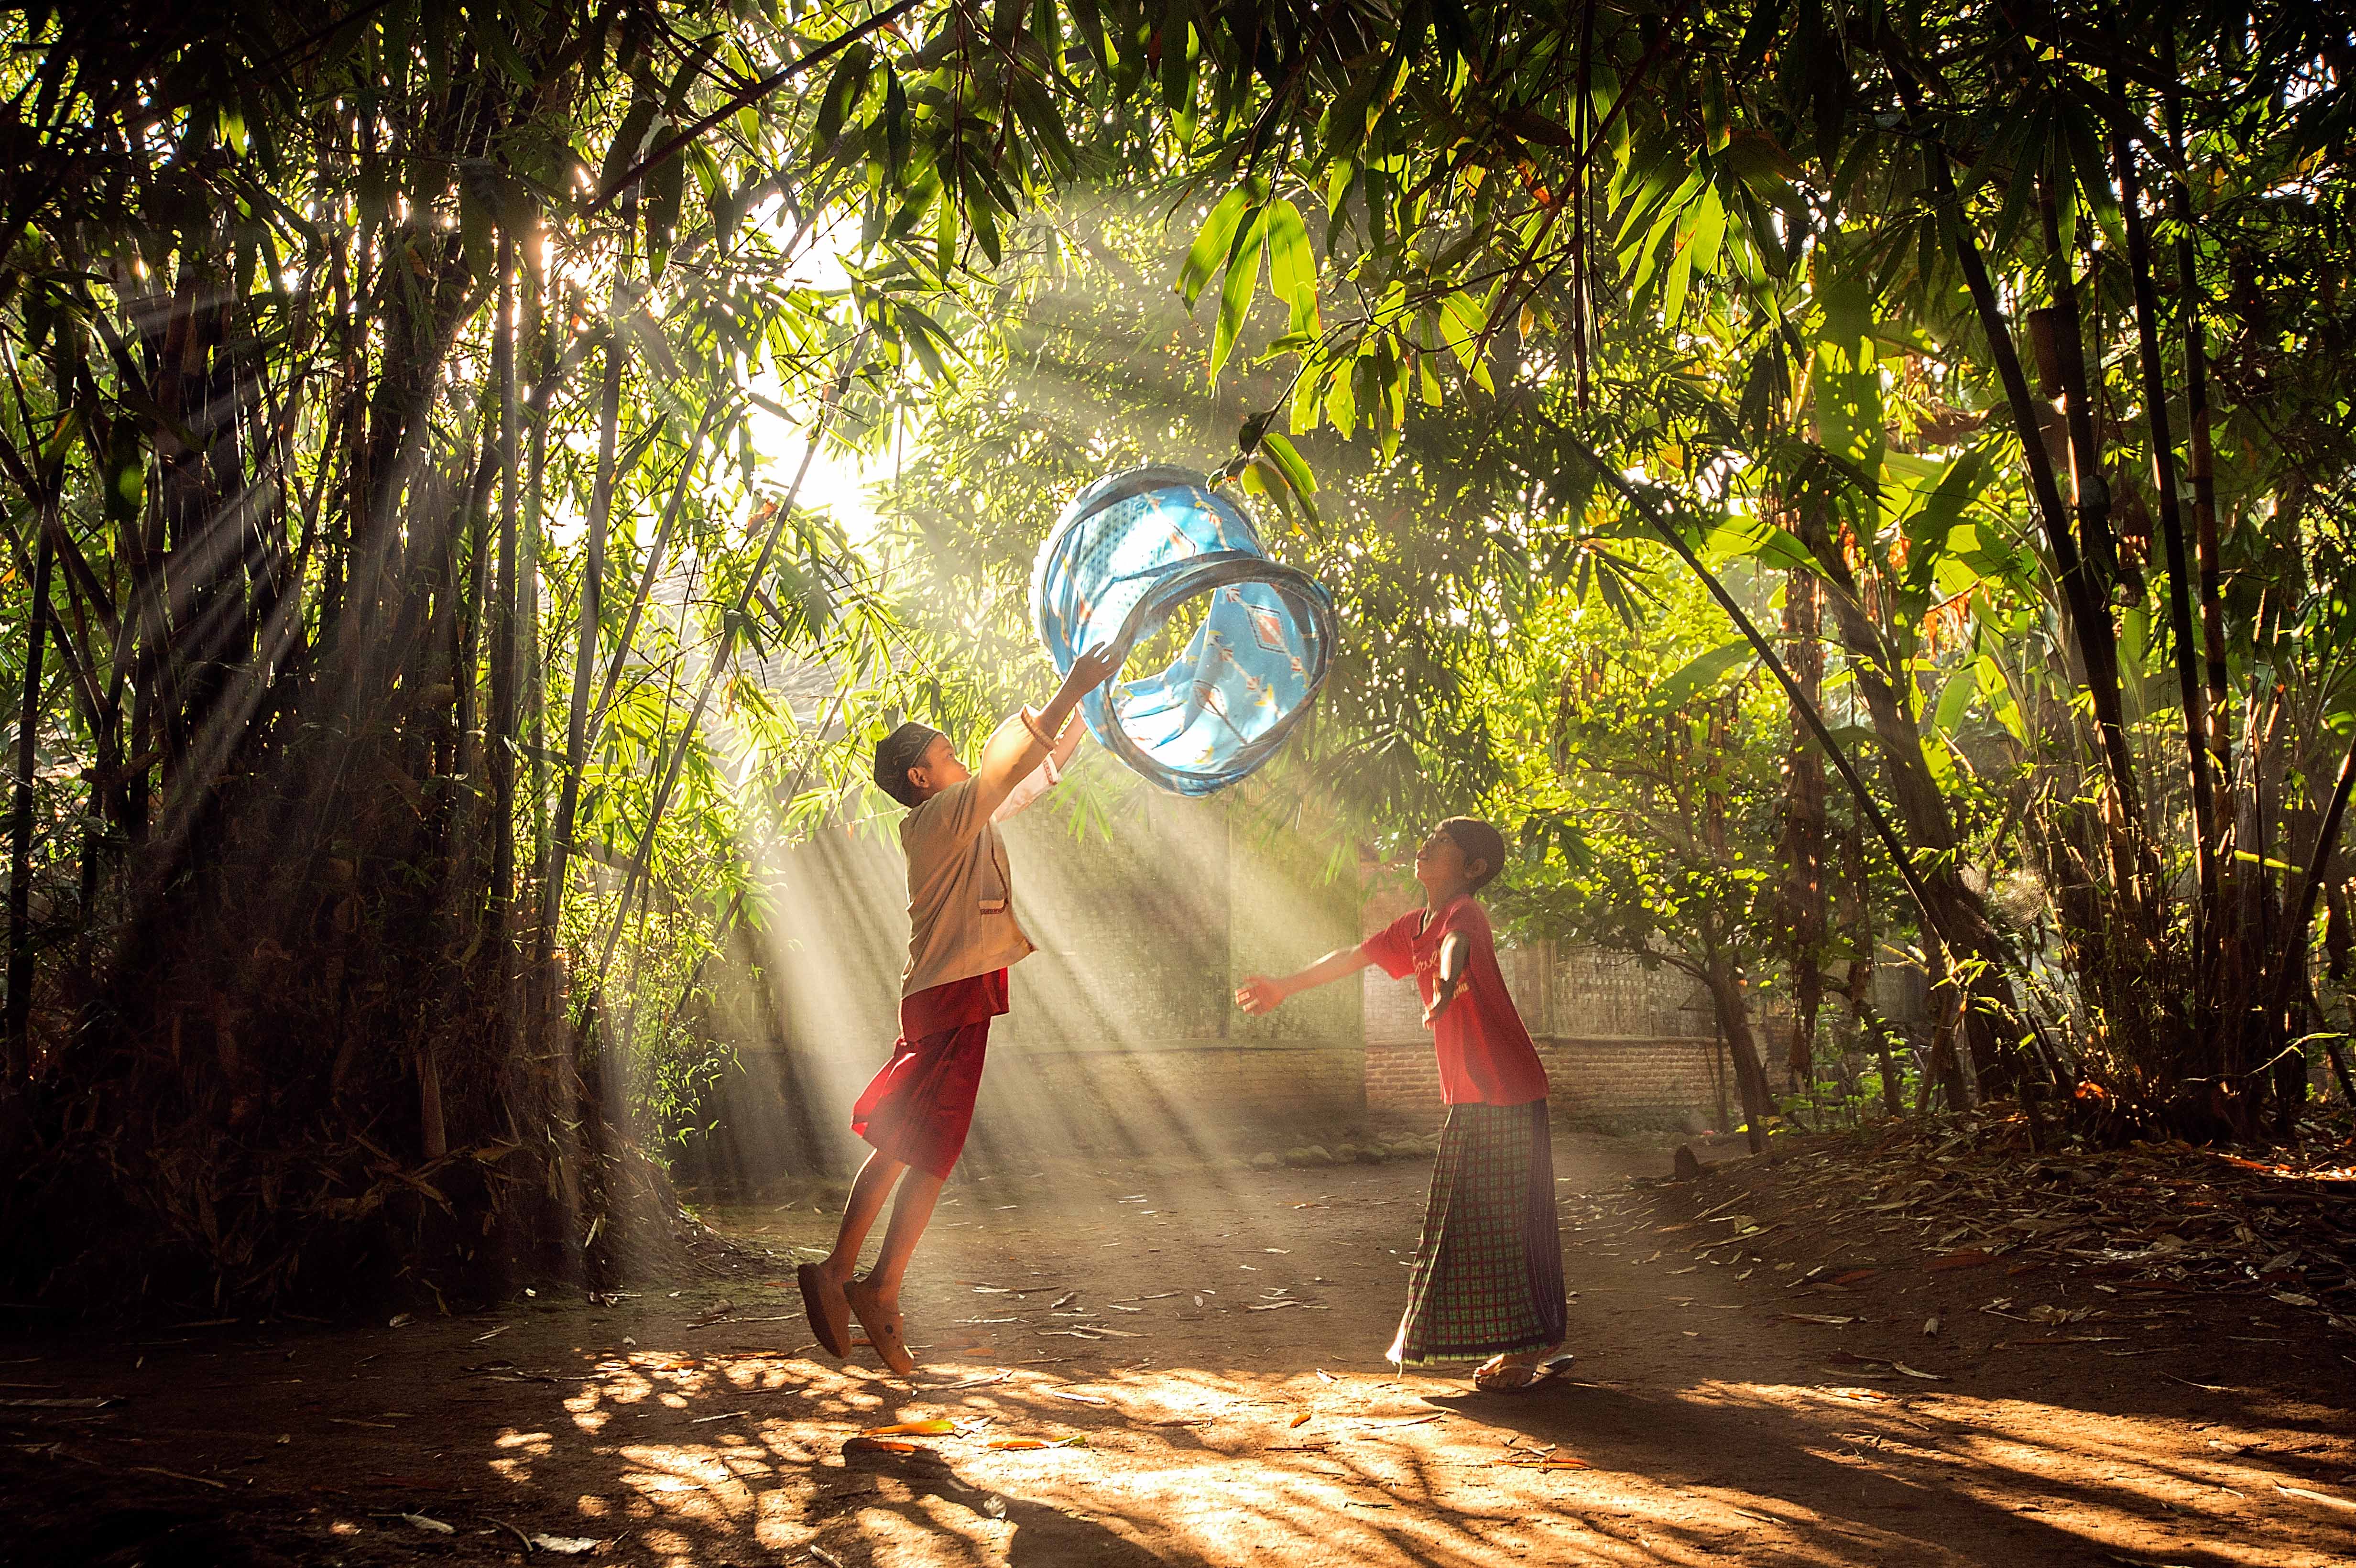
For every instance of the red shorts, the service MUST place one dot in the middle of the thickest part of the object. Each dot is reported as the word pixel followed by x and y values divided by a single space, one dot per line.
pixel 918 1108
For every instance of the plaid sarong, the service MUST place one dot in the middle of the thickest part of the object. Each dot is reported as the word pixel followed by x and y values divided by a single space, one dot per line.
pixel 1487 1278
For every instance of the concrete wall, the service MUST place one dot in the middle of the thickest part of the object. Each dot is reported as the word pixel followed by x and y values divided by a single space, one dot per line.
pixel 1123 1032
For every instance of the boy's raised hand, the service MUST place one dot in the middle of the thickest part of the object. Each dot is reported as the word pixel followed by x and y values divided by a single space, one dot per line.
pixel 1443 991
pixel 1091 669
pixel 1259 995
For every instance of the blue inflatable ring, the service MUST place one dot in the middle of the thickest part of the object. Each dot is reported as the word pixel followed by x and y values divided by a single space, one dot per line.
pixel 1127 553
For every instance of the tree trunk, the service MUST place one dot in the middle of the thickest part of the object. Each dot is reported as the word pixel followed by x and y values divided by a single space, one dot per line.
pixel 1724 981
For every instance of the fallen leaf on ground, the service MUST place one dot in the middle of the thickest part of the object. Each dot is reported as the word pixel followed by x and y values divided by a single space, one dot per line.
pixel 933 1428
pixel 1566 1462
pixel 882 1446
pixel 1926 1377
pixel 1969 1258
pixel 2314 1497
pixel 1076 1397
pixel 1000 1376
pixel 1025 1443
pixel 1063 1300
pixel 430 1526
pixel 1818 1317
pixel 1300 1419
pixel 565 1545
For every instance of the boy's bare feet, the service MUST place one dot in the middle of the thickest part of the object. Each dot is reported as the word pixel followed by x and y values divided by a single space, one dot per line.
pixel 829 1313
pixel 880 1315
pixel 1519 1370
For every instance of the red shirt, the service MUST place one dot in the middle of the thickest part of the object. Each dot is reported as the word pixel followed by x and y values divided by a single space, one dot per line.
pixel 1486 1054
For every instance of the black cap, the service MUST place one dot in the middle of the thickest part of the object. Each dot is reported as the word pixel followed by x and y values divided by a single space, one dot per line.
pixel 895 754
pixel 1480 842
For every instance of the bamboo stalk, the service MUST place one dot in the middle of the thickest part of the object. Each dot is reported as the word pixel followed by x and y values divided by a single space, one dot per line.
pixel 18 1059
pixel 2097 642
pixel 640 858
pixel 647 577
pixel 499 744
pixel 2090 492
pixel 2201 468
pixel 592 589
pixel 2171 521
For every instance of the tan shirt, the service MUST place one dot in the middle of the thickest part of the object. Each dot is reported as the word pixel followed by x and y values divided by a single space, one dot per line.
pixel 960 898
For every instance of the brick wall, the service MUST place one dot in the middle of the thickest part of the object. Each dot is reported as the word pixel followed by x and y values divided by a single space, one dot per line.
pixel 1668 1081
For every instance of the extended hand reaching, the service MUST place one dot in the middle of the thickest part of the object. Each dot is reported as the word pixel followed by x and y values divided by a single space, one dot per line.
pixel 1443 992
pixel 1092 669
pixel 1259 995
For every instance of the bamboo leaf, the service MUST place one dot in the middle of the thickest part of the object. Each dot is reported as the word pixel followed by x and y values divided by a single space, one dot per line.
pixel 1698 674
pixel 1236 292
pixel 1292 266
pixel 1213 244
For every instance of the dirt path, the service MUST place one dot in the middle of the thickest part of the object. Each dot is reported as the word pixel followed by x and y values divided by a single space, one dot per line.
pixel 1215 1349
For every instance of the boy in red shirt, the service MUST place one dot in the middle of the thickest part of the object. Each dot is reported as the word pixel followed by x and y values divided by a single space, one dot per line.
pixel 963 936
pixel 1487 1280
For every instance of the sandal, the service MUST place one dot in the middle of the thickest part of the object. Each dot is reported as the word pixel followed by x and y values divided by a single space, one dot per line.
pixel 828 1312
pixel 1519 1377
pixel 882 1325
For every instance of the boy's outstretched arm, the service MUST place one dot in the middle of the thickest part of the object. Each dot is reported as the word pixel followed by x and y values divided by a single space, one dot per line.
pixel 1014 750
pixel 1259 994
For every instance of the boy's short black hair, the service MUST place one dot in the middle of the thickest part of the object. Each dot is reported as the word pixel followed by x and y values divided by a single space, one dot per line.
pixel 1480 842
pixel 895 754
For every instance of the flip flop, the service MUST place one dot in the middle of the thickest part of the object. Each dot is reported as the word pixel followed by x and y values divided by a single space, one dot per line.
pixel 1520 1377
pixel 829 1313
pixel 882 1330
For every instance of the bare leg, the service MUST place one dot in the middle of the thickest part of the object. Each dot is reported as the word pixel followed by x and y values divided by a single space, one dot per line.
pixel 868 1192
pixel 875 1300
pixel 910 1215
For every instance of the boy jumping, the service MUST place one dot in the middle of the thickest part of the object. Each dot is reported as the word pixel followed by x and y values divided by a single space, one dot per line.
pixel 1487 1280
pixel 962 935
